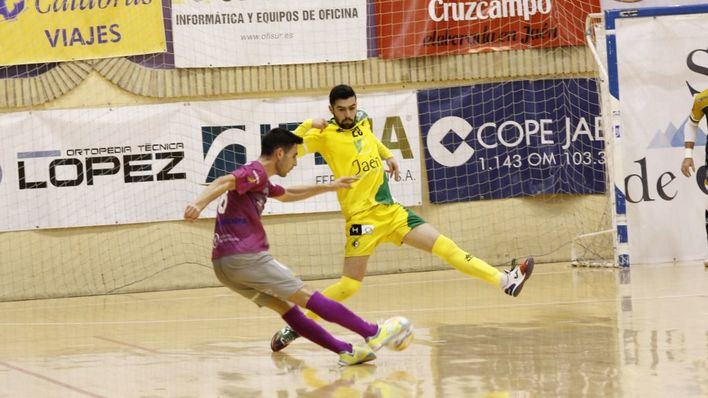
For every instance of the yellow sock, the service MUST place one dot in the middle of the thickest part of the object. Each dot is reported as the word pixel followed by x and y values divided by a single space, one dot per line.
pixel 464 262
pixel 344 288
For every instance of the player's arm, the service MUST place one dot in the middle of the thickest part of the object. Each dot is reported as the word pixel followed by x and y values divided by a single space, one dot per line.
pixel 311 132
pixel 393 169
pixel 211 192
pixel 690 130
pixel 301 192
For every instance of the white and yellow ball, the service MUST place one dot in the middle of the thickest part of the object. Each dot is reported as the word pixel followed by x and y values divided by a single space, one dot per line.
pixel 402 341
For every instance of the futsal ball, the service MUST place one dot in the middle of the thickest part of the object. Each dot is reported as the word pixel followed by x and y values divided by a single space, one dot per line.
pixel 402 341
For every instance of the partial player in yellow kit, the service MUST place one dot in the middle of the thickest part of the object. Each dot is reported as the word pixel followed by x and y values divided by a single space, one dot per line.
pixel 372 216
pixel 699 109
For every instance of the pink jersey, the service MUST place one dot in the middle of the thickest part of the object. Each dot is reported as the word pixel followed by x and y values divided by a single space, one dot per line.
pixel 238 228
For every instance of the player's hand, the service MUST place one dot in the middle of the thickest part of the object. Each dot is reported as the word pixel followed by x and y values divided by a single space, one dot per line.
pixel 319 124
pixel 687 166
pixel 393 170
pixel 344 182
pixel 191 212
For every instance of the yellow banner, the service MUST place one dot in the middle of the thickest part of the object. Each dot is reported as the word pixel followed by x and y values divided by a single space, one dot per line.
pixel 37 31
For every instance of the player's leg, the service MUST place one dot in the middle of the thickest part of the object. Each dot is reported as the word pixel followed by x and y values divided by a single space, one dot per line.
pixel 375 335
pixel 349 283
pixel 269 275
pixel 705 262
pixel 363 232
pixel 427 238
pixel 415 232
pixel 345 287
pixel 363 235
pixel 349 354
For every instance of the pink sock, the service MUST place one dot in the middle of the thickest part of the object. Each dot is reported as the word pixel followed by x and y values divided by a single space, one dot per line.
pixel 335 312
pixel 312 331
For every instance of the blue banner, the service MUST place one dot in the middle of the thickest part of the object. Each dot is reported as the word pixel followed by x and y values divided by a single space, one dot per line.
pixel 522 138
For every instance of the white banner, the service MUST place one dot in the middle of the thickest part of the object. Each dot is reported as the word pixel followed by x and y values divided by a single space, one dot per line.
pixel 83 167
pixel 661 62
pixel 267 32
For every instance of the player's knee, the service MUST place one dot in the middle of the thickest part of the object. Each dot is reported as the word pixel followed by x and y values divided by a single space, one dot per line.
pixel 348 287
pixel 445 247
pixel 275 304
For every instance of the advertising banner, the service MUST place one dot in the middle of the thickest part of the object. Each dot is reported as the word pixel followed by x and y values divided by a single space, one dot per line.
pixel 83 167
pixel 46 30
pixel 267 32
pixel 502 140
pixel 662 62
pixel 414 28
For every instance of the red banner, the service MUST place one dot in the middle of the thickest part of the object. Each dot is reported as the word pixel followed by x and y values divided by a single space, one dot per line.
pixel 414 28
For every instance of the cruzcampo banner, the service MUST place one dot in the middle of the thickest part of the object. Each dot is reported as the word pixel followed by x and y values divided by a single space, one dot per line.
pixel 414 28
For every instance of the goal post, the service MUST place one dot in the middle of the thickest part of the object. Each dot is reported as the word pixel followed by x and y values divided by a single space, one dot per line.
pixel 583 247
pixel 650 67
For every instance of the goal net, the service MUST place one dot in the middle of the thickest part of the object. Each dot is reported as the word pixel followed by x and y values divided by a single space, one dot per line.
pixel 646 105
pixel 491 108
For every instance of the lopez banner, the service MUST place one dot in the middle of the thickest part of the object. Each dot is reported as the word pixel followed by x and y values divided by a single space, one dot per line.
pixel 413 28
pixel 46 31
pixel 105 166
pixel 503 140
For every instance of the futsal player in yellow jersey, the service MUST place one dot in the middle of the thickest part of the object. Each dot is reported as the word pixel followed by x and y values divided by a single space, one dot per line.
pixel 372 216
pixel 698 110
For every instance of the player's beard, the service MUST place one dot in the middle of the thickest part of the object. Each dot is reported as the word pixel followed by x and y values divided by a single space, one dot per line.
pixel 346 123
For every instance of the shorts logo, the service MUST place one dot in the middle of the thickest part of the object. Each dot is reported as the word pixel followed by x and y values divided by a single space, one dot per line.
pixel 355 243
pixel 361 229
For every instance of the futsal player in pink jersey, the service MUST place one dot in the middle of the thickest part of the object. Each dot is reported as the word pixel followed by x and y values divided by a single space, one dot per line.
pixel 242 262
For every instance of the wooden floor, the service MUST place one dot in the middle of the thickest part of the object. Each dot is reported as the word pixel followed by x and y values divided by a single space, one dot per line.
pixel 572 333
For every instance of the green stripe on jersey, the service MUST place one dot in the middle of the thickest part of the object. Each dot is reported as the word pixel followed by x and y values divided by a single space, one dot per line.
pixel 383 195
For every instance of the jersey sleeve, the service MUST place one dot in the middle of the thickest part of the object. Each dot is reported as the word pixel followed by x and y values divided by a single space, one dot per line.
pixel 384 152
pixel 312 138
pixel 700 103
pixel 275 190
pixel 248 179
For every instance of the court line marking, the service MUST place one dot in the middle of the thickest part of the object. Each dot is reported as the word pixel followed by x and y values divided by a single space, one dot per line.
pixel 117 296
pixel 124 343
pixel 49 379
pixel 273 316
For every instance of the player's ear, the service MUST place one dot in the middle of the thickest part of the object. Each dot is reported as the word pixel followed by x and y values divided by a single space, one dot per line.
pixel 279 153
pixel 331 109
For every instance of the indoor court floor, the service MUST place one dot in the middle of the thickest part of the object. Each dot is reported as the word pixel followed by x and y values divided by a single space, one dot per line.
pixel 573 332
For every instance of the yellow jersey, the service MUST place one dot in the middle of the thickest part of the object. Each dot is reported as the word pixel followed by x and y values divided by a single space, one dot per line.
pixel 351 152
pixel 700 106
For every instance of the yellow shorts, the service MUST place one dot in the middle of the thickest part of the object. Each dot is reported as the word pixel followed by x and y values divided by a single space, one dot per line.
pixel 382 223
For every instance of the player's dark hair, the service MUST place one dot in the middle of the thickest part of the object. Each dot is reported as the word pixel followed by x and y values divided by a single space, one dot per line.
pixel 341 91
pixel 278 138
